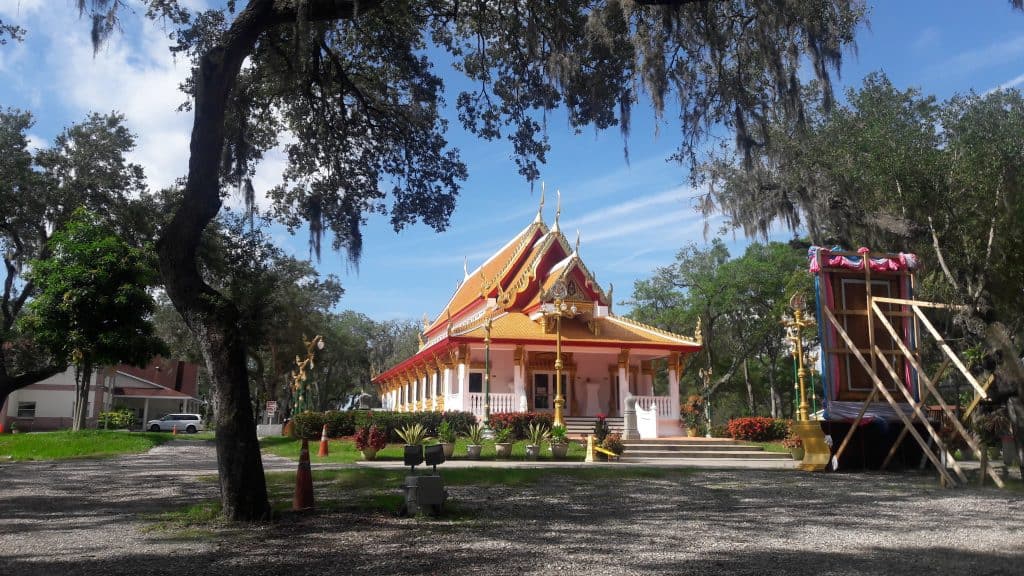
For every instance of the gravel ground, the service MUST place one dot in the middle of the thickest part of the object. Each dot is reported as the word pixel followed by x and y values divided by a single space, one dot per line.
pixel 89 517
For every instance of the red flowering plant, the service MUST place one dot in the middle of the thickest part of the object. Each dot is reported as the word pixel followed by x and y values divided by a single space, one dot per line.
pixel 601 429
pixel 372 437
pixel 757 429
pixel 793 442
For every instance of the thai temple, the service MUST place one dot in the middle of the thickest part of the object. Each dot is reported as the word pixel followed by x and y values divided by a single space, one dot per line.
pixel 531 304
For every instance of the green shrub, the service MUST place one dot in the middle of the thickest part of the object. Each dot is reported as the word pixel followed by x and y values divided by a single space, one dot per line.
pixel 308 425
pixel 519 422
pixel 116 419
pixel 340 423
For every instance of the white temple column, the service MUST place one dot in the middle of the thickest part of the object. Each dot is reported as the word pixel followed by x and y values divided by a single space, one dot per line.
pixel 623 380
pixel 435 405
pixel 673 382
pixel 463 383
pixel 446 385
pixel 519 382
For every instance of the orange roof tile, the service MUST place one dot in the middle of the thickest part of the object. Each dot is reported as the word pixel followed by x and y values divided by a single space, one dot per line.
pixel 612 331
pixel 491 272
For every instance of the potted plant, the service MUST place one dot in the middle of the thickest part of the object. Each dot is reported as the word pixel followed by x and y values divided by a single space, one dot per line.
pixel 795 445
pixel 446 434
pixel 413 434
pixel 559 438
pixel 691 412
pixel 14 427
pixel 613 442
pixel 369 441
pixel 535 438
pixel 475 437
pixel 503 442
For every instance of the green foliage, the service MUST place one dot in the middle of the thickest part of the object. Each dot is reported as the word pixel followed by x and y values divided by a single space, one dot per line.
pixel 93 302
pixel 558 435
pixel 86 167
pixel 341 424
pixel 117 419
pixel 413 434
pixel 309 425
pixel 81 444
pixel 503 435
pixel 447 433
pixel 739 303
pixel 475 434
pixel 537 434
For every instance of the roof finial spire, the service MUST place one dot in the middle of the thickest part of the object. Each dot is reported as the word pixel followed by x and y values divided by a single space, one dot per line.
pixel 465 268
pixel 540 209
pixel 558 209
pixel 577 241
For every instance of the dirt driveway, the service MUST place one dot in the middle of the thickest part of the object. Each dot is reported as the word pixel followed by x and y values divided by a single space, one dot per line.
pixel 88 517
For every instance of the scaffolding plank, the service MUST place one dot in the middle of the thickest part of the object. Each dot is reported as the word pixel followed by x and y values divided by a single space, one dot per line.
pixel 943 472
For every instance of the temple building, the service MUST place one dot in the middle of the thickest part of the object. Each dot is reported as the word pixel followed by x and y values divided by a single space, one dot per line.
pixel 511 316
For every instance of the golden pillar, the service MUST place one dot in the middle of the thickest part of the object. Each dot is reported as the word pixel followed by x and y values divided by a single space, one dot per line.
pixel 816 452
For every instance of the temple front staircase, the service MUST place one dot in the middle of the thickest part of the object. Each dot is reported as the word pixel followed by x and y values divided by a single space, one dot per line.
pixel 580 426
pixel 668 450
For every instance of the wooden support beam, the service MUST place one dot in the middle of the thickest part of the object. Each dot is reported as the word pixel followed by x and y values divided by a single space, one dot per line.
pixel 916 407
pixel 949 352
pixel 923 376
pixel 977 399
pixel 924 401
pixel 888 397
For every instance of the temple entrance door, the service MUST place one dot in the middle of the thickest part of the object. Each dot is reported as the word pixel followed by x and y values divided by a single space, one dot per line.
pixel 544 391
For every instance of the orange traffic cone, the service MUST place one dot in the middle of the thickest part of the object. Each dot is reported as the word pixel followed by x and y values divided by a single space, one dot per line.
pixel 174 430
pixel 324 449
pixel 1 427
pixel 303 481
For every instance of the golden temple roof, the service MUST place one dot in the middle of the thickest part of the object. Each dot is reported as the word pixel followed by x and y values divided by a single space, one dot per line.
pixel 512 287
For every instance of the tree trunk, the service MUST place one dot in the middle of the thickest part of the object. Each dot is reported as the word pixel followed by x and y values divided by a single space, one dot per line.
pixel 773 392
pixel 1015 411
pixel 211 317
pixel 750 388
pixel 83 380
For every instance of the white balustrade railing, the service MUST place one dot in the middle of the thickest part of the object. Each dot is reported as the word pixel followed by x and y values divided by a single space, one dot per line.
pixel 663 403
pixel 499 403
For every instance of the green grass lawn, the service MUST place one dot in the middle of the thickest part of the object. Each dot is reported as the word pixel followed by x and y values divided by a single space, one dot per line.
pixel 344 451
pixel 770 446
pixel 85 444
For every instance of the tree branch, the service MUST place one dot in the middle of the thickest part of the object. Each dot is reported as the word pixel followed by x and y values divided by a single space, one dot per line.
pixel 938 254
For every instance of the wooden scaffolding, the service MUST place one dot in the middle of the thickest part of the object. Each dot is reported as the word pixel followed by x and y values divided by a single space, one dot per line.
pixel 870 327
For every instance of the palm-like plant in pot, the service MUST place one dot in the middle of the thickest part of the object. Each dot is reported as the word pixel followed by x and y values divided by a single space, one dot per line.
pixel 535 437
pixel 475 437
pixel 559 438
pixel 413 434
pixel 447 434
pixel 503 442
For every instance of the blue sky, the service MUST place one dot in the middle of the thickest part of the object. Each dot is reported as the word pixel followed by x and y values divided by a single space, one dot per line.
pixel 632 217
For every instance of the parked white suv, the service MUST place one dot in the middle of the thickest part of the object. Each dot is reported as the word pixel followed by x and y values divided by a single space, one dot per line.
pixel 190 423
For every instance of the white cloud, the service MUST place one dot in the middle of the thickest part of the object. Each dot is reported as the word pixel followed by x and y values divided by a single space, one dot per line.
pixel 1012 83
pixel 135 76
pixel 674 196
pixel 1004 52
